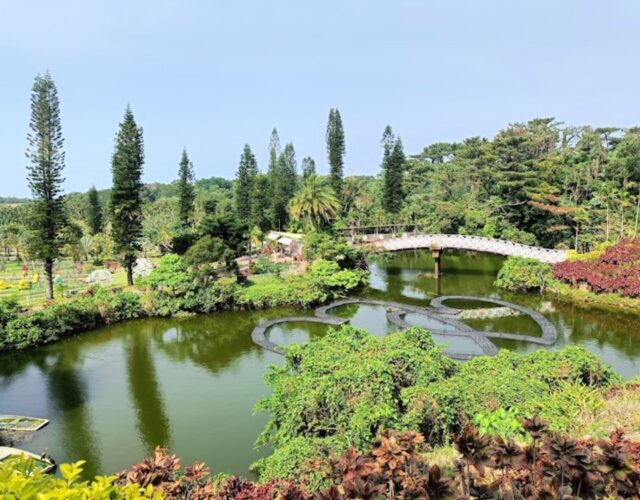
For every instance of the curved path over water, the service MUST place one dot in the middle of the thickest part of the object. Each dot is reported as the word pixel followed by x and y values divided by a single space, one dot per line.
pixel 464 242
pixel 436 311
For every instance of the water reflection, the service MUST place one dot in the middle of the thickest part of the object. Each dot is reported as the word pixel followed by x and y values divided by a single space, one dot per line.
pixel 152 422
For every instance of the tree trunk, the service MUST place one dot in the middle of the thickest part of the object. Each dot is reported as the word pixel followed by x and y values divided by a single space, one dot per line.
pixel 48 281
pixel 607 222
pixel 635 228
pixel 128 263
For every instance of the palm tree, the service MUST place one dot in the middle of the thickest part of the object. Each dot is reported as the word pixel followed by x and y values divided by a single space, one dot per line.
pixel 315 202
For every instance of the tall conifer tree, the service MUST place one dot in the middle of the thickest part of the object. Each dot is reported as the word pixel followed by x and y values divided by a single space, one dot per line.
pixel 126 202
pixel 95 212
pixel 262 203
pixel 393 162
pixel 308 167
pixel 272 169
pixel 246 185
pixel 44 173
pixel 186 192
pixel 286 179
pixel 335 150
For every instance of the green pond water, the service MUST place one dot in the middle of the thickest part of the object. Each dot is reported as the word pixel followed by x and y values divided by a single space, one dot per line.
pixel 190 384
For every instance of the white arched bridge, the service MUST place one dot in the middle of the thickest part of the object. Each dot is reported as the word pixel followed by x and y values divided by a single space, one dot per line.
pixel 439 242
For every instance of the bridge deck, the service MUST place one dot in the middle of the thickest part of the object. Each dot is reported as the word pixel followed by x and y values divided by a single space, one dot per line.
pixel 393 243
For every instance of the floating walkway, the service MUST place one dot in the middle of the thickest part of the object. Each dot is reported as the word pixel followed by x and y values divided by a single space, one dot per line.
pixel 444 315
pixel 18 423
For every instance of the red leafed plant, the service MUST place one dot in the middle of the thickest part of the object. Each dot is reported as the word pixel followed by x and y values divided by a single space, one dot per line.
pixel 617 270
pixel 551 466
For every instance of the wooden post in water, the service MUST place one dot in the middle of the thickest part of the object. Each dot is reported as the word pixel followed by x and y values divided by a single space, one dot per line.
pixel 436 253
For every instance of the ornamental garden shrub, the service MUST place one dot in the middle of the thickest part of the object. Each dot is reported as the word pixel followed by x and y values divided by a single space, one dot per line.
pixel 324 246
pixel 344 389
pixel 617 270
pixel 543 382
pixel 43 326
pixel 520 274
pixel 544 465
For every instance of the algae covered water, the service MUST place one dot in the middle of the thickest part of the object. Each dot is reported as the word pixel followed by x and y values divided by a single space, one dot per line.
pixel 190 384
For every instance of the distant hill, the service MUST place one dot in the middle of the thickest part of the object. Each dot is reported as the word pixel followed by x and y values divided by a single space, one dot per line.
pixel 12 200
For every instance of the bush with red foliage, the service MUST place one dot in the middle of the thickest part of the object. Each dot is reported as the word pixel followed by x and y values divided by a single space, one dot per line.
pixel 551 466
pixel 617 270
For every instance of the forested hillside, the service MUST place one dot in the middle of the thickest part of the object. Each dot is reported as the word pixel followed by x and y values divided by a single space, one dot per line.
pixel 541 182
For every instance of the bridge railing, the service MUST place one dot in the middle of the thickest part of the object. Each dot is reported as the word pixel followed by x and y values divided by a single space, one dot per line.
pixel 408 241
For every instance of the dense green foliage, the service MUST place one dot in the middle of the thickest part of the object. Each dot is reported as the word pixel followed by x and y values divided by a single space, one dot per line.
pixel 393 166
pixel 43 326
pixel 174 287
pixel 308 167
pixel 47 216
pixel 126 202
pixel 520 274
pixel 20 479
pixel 95 218
pixel 536 183
pixel 318 245
pixel 246 185
pixel 347 387
pixel 335 150
pixel 283 186
pixel 315 204
pixel 186 194
pixel 547 465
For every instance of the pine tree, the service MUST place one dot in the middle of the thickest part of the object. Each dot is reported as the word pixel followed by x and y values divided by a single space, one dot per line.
pixel 126 202
pixel 262 203
pixel 246 185
pixel 393 162
pixel 272 169
pixel 95 212
pixel 308 167
pixel 335 150
pixel 284 188
pixel 185 189
pixel 274 143
pixel 44 174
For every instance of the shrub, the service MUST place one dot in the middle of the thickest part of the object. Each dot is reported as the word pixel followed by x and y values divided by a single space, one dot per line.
pixel 170 276
pixel 326 391
pixel 617 270
pixel 263 265
pixel 550 465
pixel 519 274
pixel 349 385
pixel 522 384
pixel 207 257
pixel 19 478
pixel 500 422
pixel 8 310
pixel 324 246
pixel 328 274
pixel 173 293
pixel 218 296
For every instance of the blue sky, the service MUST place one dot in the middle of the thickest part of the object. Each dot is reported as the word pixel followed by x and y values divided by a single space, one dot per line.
pixel 213 75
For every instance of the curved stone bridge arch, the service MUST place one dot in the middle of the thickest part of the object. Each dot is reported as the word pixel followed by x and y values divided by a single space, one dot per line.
pixel 439 242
